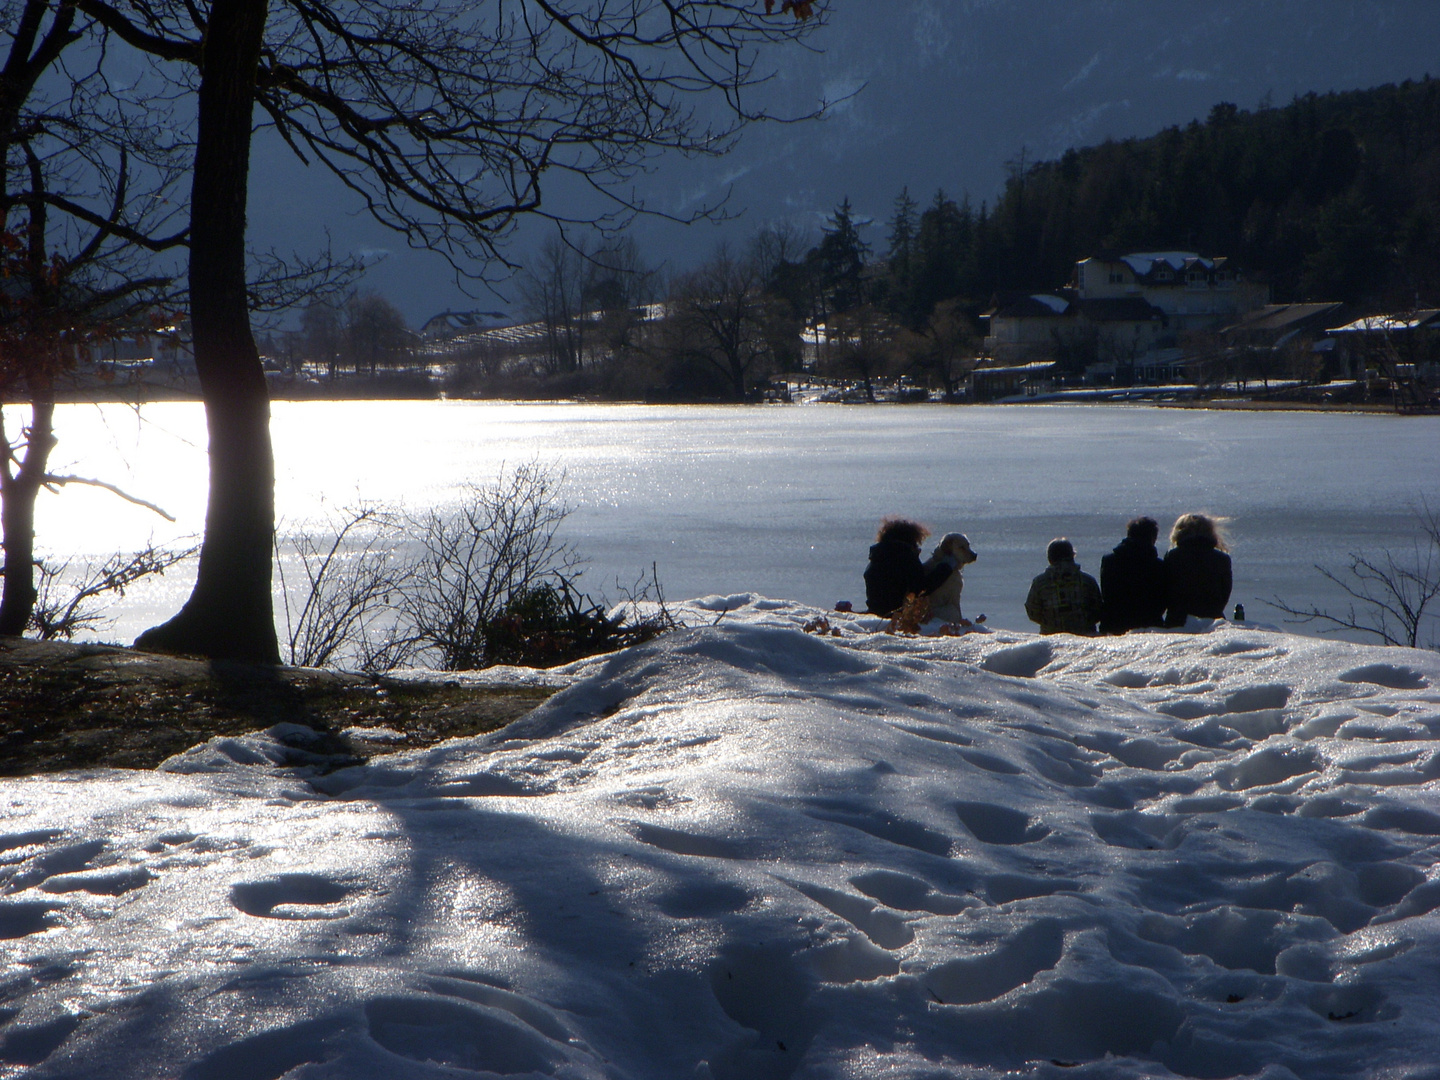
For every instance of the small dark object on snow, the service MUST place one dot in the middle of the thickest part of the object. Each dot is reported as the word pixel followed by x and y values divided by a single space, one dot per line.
pixel 1239 612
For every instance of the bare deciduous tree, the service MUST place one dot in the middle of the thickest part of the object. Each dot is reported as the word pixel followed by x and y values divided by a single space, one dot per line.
pixel 944 348
pixel 488 584
pixel 719 316
pixel 446 120
pixel 342 610
pixel 84 204
pixel 67 606
pixel 1391 595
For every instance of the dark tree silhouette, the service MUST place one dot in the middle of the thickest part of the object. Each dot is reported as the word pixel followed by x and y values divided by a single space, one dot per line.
pixel 82 207
pixel 720 316
pixel 446 119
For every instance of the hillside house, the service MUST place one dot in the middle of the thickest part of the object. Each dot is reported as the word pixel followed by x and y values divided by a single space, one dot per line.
pixel 1078 332
pixel 1287 340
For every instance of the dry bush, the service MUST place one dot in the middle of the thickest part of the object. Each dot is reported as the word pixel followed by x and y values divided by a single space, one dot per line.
pixel 1390 594
pixel 66 608
pixel 343 612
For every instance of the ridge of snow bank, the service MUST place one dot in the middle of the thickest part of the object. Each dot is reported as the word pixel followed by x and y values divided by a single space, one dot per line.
pixel 744 851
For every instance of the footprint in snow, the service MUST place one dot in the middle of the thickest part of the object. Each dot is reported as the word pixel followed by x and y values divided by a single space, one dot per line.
pixel 973 979
pixel 679 842
pixel 885 928
pixel 99 883
pixel 887 827
pixel 66 859
pixel 24 917
pixel 905 893
pixel 291 896
pixel 1388 675
pixel 992 824
pixel 33 1045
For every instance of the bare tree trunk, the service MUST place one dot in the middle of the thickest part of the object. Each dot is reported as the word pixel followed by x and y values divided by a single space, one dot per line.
pixel 229 615
pixel 20 490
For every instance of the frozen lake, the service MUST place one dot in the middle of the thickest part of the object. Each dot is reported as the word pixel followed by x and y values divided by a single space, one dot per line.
pixel 784 500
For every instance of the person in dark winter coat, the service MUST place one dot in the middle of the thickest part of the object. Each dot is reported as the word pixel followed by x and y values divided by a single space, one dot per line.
pixel 1197 571
pixel 895 570
pixel 1132 580
pixel 1063 600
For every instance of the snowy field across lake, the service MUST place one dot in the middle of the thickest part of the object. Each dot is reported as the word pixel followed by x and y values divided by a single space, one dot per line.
pixel 784 500
pixel 745 851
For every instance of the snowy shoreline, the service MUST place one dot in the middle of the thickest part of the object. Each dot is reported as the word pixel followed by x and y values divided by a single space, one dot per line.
pixel 746 851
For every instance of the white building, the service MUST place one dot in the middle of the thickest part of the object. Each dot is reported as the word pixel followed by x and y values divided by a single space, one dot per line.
pixel 1194 292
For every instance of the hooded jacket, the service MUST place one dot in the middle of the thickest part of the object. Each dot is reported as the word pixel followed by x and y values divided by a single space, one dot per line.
pixel 1064 600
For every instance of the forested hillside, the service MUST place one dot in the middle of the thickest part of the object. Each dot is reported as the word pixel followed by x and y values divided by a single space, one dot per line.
pixel 1334 196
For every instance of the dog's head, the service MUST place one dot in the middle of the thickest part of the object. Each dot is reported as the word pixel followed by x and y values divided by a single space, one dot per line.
pixel 957 546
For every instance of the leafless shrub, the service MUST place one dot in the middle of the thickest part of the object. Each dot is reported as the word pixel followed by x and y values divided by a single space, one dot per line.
pixel 644 609
pixel 487 582
pixel 65 607
pixel 478 561
pixel 1390 594
pixel 342 610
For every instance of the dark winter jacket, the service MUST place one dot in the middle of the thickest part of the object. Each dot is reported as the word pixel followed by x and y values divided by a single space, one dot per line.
pixel 1132 585
pixel 1197 580
pixel 1064 600
pixel 895 571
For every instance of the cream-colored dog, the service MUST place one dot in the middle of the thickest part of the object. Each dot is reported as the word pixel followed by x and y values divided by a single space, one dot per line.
pixel 945 600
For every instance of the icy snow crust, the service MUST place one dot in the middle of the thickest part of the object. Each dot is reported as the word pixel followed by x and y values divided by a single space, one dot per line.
pixel 745 851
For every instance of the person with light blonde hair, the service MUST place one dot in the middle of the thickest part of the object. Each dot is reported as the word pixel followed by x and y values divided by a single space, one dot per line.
pixel 1197 570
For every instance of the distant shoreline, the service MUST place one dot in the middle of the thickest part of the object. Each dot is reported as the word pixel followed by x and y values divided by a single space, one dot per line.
pixel 156 395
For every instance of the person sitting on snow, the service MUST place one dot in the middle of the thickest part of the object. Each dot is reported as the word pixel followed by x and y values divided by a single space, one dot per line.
pixel 945 597
pixel 1063 600
pixel 895 570
pixel 1197 570
pixel 1132 580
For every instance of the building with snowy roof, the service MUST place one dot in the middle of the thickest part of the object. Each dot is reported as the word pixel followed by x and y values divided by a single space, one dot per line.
pixel 1195 292
pixel 1398 349
pixel 1042 325
pixel 1119 309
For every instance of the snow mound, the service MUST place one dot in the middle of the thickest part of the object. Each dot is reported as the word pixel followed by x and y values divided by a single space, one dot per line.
pixel 749 851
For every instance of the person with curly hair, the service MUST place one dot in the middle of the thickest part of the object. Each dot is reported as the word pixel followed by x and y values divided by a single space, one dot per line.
pixel 895 570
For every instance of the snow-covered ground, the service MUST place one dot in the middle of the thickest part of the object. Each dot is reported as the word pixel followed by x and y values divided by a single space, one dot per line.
pixel 748 852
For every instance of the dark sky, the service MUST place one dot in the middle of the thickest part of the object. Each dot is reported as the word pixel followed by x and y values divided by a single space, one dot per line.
pixel 945 93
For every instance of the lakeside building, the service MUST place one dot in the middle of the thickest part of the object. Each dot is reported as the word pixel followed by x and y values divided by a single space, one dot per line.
pixel 1397 353
pixel 1193 292
pixel 1280 341
pixel 1121 316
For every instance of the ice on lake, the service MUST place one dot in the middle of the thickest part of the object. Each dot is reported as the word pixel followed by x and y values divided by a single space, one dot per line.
pixel 747 851
pixel 785 501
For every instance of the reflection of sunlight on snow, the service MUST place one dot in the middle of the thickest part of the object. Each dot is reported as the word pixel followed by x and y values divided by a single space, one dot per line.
pixel 487 911
pixel 742 840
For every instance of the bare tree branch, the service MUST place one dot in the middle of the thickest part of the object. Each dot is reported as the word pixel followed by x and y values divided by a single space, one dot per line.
pixel 52 481
pixel 1392 596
